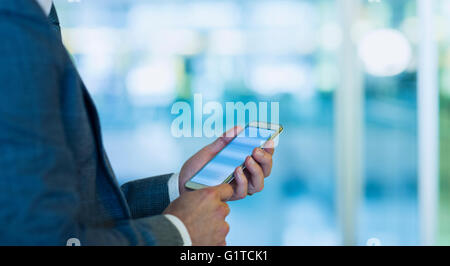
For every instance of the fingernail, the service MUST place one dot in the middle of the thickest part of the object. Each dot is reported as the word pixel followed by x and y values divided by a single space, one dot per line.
pixel 241 172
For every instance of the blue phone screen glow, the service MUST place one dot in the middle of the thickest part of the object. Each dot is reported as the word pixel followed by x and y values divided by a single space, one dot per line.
pixel 225 162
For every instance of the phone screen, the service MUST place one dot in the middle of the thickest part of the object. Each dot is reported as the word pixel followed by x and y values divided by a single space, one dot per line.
pixel 225 162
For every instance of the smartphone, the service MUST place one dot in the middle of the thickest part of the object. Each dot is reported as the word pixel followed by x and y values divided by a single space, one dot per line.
pixel 220 169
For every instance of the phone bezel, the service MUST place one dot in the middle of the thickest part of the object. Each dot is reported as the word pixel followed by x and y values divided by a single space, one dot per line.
pixel 264 125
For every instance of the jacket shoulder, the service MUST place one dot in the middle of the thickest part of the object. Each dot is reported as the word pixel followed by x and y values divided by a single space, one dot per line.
pixel 28 40
pixel 23 8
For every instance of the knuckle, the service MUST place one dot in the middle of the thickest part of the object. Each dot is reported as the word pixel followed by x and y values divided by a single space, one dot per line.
pixel 221 141
pixel 224 209
pixel 266 156
pixel 210 192
pixel 227 189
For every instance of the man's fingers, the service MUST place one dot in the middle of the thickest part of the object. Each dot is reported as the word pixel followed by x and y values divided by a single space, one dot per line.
pixel 256 174
pixel 264 159
pixel 241 184
pixel 269 147
pixel 233 132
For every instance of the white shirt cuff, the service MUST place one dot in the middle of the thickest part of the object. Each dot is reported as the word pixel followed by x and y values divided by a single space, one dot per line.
pixel 174 193
pixel 181 228
pixel 174 189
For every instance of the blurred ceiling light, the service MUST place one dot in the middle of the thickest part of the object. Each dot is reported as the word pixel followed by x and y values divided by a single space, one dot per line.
pixel 152 84
pixel 385 52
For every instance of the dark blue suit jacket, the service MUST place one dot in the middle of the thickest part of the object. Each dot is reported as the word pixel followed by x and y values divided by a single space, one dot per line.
pixel 55 179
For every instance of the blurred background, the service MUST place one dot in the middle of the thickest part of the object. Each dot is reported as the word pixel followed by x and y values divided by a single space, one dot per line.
pixel 325 61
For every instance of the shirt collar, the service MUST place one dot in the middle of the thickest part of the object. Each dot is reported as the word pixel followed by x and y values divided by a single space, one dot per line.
pixel 46 5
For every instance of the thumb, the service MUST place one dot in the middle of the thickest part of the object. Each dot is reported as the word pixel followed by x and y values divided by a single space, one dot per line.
pixel 198 160
pixel 225 191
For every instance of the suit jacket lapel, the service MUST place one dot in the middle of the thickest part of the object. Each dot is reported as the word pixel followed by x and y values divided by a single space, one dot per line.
pixel 92 113
pixel 53 18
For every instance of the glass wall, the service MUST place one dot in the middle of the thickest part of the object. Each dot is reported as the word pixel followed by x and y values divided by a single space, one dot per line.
pixel 387 44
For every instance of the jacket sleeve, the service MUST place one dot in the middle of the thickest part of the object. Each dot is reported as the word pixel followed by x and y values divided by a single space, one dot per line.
pixel 38 177
pixel 149 196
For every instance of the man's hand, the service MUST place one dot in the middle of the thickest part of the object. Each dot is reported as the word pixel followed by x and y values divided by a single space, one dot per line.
pixel 203 212
pixel 246 182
